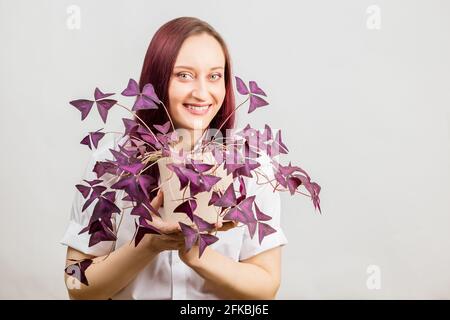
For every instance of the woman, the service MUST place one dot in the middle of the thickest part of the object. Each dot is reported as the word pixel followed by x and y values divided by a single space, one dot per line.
pixel 188 63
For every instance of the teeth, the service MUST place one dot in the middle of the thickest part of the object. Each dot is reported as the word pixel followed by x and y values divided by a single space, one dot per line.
pixel 193 107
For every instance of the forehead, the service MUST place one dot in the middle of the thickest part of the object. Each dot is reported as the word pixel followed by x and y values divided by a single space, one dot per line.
pixel 201 52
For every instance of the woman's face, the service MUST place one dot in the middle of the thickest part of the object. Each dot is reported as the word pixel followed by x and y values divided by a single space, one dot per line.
pixel 197 84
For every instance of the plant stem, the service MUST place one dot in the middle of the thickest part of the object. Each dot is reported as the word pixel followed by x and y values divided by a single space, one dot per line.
pixel 143 122
pixel 225 121
pixel 235 109
pixel 168 115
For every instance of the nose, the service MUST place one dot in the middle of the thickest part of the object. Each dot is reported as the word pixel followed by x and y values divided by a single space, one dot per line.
pixel 200 90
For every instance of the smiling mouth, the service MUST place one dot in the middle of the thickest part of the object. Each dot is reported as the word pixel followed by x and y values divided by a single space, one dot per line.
pixel 195 109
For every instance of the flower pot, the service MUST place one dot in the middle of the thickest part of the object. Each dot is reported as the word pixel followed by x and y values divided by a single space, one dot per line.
pixel 173 196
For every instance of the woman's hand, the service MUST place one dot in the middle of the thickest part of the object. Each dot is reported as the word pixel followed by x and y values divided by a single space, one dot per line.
pixel 171 237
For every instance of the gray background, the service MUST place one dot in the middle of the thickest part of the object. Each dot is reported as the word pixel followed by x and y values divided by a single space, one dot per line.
pixel 364 111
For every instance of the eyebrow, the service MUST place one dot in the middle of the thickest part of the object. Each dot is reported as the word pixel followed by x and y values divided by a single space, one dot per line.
pixel 186 67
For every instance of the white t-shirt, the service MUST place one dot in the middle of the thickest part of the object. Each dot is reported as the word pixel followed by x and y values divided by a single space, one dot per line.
pixel 166 276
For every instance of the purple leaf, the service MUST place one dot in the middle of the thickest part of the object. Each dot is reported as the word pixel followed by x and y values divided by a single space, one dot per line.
pixel 261 216
pixel 289 169
pixel 103 107
pixel 255 89
pixel 141 211
pixel 264 230
pixel 84 106
pixel 88 203
pixel 280 179
pixel 100 232
pixel 111 196
pixel 81 267
pixel 96 137
pixel 84 190
pixel 131 186
pixel 190 235
pixel 214 197
pixel 241 87
pixel 293 183
pixel 252 228
pixel 208 181
pixel 191 175
pixel 246 207
pixel 93 182
pixel 86 141
pixel 130 126
pixel 149 92
pixel 183 180
pixel 104 209
pixel 142 229
pixel 204 241
pixel 97 190
pixel 132 89
pixel 256 102
pixel 100 95
pixel 145 181
pixel 133 168
pixel 228 199
pixel 144 103
pixel 164 128
pixel 203 225
pixel 245 170
pixel 201 167
pixel 188 207
pixel 234 214
pixel 102 167
pixel 121 158
pixel 129 151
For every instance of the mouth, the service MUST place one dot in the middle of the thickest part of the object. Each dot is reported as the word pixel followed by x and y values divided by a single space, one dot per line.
pixel 197 109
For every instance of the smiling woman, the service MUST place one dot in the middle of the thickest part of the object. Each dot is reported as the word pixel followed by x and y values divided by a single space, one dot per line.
pixel 188 64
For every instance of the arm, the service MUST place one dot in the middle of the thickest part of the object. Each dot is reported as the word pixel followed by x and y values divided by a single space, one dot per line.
pixel 255 278
pixel 106 277
pixel 109 276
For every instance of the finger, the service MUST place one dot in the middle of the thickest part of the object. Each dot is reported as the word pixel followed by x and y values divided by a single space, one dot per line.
pixel 158 200
pixel 156 204
pixel 172 227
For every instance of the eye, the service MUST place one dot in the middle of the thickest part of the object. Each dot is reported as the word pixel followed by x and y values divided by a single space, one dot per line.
pixel 183 74
pixel 218 76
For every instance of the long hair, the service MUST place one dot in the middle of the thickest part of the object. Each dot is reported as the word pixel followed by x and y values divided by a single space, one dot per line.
pixel 160 60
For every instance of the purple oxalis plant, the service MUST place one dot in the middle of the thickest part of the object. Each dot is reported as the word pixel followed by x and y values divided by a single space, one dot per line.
pixel 145 145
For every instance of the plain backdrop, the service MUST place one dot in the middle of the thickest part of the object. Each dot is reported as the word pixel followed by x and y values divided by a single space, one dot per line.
pixel 360 89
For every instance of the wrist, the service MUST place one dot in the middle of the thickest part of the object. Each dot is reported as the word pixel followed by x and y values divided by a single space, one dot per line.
pixel 148 245
pixel 192 259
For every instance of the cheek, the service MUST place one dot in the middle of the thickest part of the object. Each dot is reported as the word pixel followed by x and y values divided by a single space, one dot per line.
pixel 220 91
pixel 177 93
